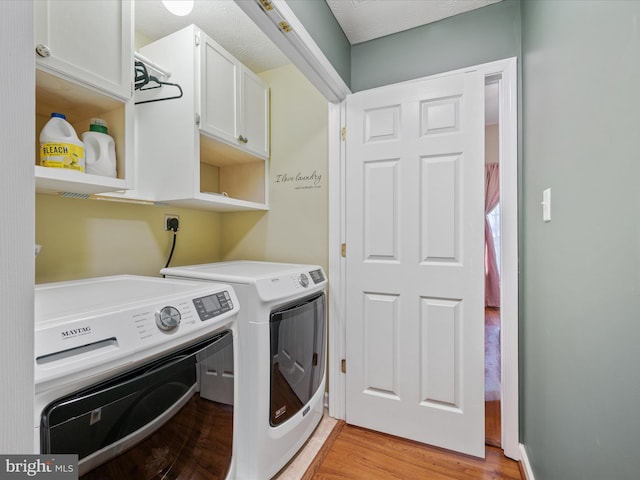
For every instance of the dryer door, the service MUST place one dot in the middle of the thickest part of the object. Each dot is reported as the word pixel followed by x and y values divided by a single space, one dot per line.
pixel 297 355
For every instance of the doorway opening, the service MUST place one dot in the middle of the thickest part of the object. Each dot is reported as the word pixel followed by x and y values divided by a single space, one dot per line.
pixel 492 330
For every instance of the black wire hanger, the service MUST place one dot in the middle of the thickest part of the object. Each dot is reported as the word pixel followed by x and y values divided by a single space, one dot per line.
pixel 143 81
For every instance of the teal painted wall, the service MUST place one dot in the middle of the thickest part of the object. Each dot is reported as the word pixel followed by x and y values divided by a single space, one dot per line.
pixel 480 36
pixel 580 310
pixel 320 23
pixel 472 38
pixel 580 273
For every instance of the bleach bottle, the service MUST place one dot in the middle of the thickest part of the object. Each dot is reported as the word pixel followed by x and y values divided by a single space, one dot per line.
pixel 60 146
pixel 100 149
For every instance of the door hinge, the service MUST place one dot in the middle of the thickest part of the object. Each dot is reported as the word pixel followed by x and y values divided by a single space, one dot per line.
pixel 266 4
pixel 284 26
pixel 343 249
pixel 343 134
pixel 197 119
pixel 343 365
pixel 197 39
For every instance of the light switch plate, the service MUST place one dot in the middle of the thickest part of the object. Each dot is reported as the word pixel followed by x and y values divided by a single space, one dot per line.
pixel 546 205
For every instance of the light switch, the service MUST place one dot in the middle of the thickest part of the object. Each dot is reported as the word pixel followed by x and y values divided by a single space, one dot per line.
pixel 546 205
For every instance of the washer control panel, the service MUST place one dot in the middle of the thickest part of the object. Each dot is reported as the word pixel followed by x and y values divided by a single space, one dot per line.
pixel 88 329
pixel 168 318
pixel 213 305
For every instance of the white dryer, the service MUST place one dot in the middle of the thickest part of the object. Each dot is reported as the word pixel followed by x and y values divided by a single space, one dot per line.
pixel 281 357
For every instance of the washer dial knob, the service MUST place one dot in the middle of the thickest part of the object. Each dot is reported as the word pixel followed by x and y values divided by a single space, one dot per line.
pixel 168 319
pixel 304 280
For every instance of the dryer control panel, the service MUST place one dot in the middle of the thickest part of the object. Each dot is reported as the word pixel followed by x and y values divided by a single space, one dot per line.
pixel 288 284
pixel 317 276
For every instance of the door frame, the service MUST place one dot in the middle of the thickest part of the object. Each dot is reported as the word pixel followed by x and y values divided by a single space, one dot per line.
pixel 506 71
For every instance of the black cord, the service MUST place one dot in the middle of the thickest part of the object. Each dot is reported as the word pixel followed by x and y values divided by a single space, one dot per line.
pixel 173 246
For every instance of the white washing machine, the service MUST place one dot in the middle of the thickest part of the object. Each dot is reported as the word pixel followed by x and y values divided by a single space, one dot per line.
pixel 281 357
pixel 116 358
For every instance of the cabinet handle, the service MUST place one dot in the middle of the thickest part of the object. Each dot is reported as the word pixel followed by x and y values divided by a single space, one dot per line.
pixel 43 50
pixel 243 139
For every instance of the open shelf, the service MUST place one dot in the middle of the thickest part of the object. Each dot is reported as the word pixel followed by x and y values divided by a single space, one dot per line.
pixel 230 176
pixel 79 104
pixel 54 180
pixel 218 203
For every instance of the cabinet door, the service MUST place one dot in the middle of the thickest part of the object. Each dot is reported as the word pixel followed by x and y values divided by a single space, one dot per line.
pixel 219 92
pixel 91 42
pixel 255 114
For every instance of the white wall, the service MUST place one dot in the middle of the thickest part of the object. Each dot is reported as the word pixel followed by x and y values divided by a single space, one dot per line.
pixel 17 80
pixel 491 144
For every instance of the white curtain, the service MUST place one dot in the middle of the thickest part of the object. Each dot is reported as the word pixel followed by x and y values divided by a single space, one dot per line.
pixel 491 199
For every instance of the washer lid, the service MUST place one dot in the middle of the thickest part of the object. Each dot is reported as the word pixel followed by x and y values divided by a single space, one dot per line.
pixel 241 271
pixel 55 301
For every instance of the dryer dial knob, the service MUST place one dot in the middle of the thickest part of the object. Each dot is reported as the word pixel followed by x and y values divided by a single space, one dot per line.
pixel 168 319
pixel 304 280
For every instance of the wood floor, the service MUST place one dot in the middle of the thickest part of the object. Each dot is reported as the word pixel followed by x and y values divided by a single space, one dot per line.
pixel 355 453
pixel 492 370
pixel 360 454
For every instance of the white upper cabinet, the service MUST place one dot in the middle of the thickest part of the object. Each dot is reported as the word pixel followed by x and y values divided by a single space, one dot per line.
pixel 254 113
pixel 87 41
pixel 234 101
pixel 208 148
pixel 219 91
pixel 84 69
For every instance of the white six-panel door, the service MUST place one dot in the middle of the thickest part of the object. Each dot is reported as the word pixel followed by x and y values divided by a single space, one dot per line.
pixel 415 261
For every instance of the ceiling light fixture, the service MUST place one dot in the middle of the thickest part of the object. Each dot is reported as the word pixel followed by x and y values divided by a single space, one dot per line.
pixel 179 7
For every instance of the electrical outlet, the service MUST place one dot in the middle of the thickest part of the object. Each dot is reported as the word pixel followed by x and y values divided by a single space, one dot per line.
pixel 169 221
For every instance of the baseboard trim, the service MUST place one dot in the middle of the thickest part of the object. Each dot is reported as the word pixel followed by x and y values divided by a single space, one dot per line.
pixel 524 464
pixel 313 468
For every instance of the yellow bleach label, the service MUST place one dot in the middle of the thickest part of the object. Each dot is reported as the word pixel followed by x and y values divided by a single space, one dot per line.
pixel 62 155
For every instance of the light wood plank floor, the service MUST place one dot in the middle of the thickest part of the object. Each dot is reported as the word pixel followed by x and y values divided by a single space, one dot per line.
pixel 360 454
pixel 492 365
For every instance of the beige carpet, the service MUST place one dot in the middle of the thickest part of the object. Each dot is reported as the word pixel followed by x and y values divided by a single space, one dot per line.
pixel 492 363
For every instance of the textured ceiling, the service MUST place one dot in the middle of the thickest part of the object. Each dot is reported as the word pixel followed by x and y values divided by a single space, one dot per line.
pixel 223 21
pixel 228 25
pixel 363 20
